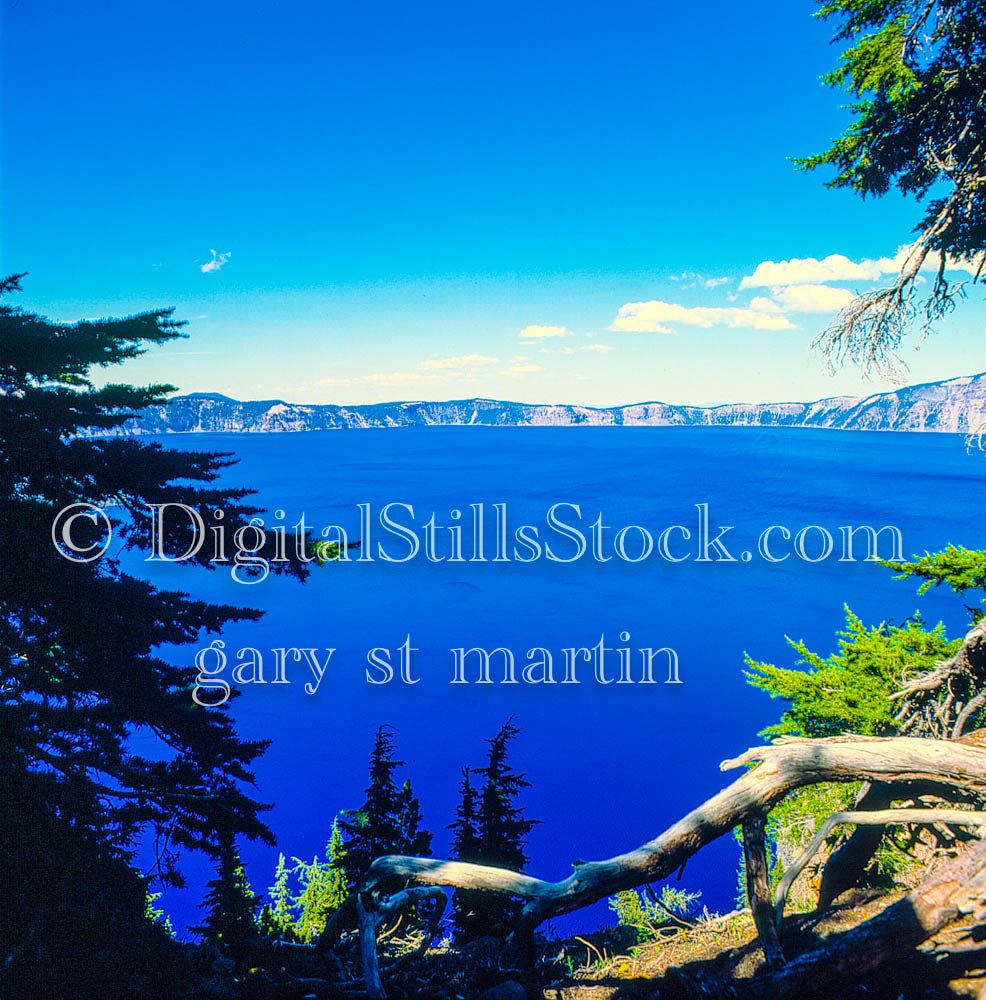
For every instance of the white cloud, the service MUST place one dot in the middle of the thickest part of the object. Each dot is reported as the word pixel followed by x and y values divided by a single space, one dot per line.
pixel 218 261
pixel 568 349
pixel 762 304
pixel 382 378
pixel 811 298
pixel 808 270
pixel 464 367
pixel 651 317
pixel 694 278
pixel 457 363
pixel 891 265
pixel 838 267
pixel 522 369
pixel 540 332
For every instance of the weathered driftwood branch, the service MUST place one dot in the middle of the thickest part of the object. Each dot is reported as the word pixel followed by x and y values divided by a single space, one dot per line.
pixel 941 766
pixel 371 918
pixel 944 701
pixel 880 818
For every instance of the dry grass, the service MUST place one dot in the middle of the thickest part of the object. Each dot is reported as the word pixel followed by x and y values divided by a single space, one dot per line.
pixel 724 946
pixel 635 973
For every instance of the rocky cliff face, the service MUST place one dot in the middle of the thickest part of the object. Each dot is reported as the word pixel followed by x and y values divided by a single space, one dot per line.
pixel 954 406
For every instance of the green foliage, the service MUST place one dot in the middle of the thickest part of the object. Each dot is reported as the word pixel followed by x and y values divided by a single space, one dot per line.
pixel 795 820
pixel 311 915
pixel 849 691
pixel 916 73
pixel 792 824
pixel 325 551
pixel 336 889
pixel 321 889
pixel 646 915
pixel 959 568
pixel 157 916
pixel 277 915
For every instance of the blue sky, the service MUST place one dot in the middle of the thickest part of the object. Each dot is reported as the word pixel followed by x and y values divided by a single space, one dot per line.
pixel 404 200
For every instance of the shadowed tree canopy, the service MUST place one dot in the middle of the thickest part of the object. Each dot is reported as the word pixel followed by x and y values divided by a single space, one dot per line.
pixel 490 829
pixel 230 905
pixel 100 739
pixel 388 821
pixel 916 73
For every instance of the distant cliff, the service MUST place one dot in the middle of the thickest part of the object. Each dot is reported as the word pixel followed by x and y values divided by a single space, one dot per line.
pixel 954 406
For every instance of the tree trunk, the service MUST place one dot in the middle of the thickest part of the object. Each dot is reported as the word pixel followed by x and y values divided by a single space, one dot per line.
pixel 758 887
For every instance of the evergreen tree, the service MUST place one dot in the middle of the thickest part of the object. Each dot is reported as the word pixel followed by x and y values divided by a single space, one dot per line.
pixel 311 918
pixel 79 667
pixel 388 822
pixel 322 890
pixel 958 568
pixel 849 691
pixel 277 916
pixel 157 915
pixel 503 829
pixel 336 887
pixel 231 907
pixel 412 838
pixel 466 847
pixel 465 832
pixel 500 830
pixel 915 75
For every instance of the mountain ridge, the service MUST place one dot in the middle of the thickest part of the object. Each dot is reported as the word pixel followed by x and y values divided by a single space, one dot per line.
pixel 956 405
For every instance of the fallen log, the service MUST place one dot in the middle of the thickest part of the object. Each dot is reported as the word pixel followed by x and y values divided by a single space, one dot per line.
pixel 943 766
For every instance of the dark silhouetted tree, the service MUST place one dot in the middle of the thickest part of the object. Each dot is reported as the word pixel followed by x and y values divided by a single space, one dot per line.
pixel 80 671
pixel 388 822
pixel 413 838
pixel 466 847
pixel 231 907
pixel 495 829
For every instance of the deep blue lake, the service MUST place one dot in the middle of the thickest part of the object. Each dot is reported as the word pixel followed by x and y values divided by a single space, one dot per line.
pixel 610 766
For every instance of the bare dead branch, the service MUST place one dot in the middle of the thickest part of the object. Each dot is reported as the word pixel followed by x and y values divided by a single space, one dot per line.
pixel 962 678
